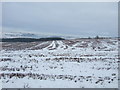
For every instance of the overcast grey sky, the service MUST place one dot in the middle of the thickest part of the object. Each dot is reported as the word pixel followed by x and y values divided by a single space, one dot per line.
pixel 82 19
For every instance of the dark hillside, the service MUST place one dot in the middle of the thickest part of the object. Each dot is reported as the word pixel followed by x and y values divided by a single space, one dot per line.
pixel 29 39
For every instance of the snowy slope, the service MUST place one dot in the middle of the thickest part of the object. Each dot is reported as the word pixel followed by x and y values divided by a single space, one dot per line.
pixel 60 64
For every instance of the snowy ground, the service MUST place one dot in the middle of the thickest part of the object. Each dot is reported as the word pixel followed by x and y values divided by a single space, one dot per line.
pixel 78 63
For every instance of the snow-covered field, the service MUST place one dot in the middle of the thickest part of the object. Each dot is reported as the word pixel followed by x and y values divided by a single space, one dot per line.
pixel 78 63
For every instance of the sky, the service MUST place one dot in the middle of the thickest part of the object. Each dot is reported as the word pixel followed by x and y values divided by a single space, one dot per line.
pixel 81 19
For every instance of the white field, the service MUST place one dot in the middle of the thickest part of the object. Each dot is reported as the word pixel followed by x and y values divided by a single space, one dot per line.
pixel 78 63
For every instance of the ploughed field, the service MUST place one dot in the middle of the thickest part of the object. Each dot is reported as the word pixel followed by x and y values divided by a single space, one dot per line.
pixel 76 63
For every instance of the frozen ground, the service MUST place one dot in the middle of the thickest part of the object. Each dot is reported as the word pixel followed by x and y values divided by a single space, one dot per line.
pixel 78 63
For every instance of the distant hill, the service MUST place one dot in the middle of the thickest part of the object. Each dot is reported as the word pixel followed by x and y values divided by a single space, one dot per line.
pixel 29 39
pixel 36 36
pixel 20 35
pixel 33 35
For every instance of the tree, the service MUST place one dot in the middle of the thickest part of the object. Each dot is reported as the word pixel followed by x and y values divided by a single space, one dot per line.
pixel 89 37
pixel 97 37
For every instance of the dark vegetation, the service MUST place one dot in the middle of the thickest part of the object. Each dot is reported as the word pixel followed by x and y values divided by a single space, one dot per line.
pixel 29 39
pixel 45 39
